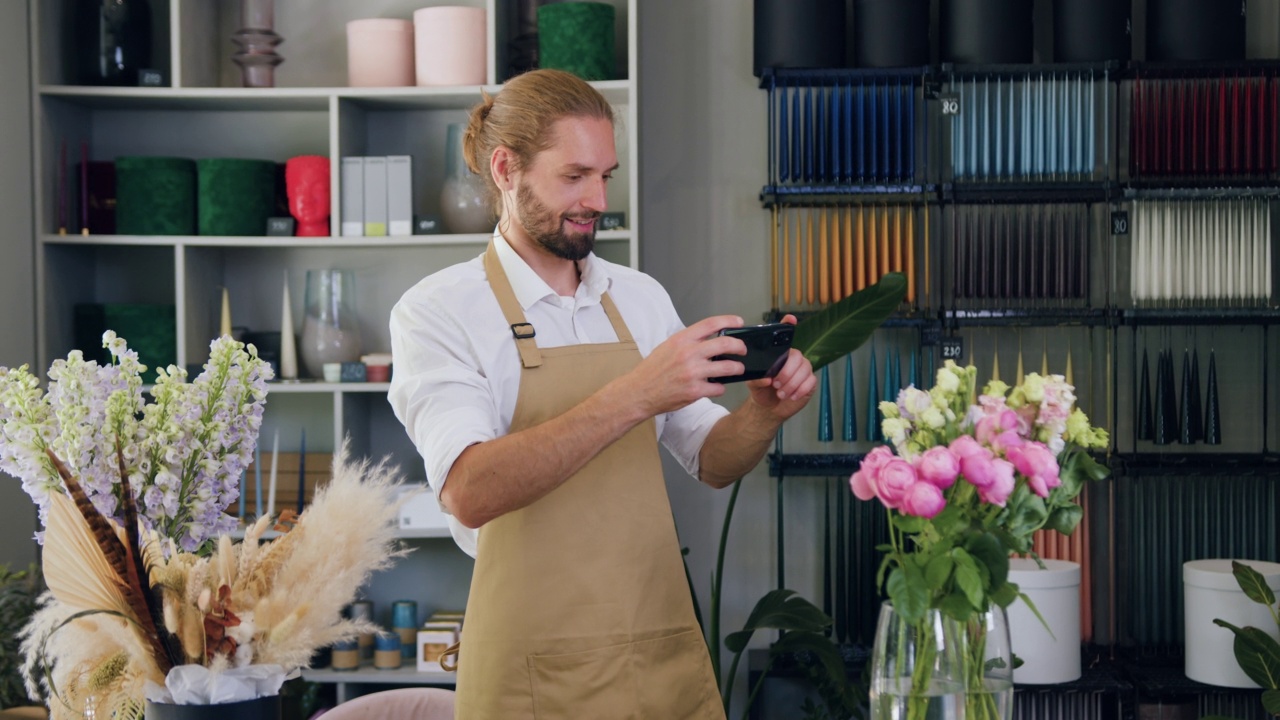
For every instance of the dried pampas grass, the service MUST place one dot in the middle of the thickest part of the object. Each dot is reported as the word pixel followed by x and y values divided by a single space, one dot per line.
pixel 346 535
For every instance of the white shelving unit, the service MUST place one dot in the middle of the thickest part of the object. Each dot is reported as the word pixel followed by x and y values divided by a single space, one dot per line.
pixel 202 112
pixel 347 681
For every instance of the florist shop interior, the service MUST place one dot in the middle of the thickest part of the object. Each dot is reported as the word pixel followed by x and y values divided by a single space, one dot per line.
pixel 1041 234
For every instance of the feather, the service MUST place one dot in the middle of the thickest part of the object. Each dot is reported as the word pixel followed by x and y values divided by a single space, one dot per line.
pixel 74 566
pixel 120 570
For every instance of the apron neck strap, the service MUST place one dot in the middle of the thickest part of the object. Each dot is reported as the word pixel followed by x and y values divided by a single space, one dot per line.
pixel 521 329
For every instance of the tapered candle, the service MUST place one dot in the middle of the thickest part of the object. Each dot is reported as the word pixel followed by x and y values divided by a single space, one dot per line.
pixel 824 284
pixel 773 253
pixel 849 431
pixel 302 470
pixel 824 407
pixel 244 481
pixel 873 398
pixel 224 329
pixel 836 289
pixel 275 463
pixel 847 253
pixel 288 351
pixel 910 241
pixel 84 188
pixel 62 189
pixel 786 259
pixel 257 485
pixel 810 293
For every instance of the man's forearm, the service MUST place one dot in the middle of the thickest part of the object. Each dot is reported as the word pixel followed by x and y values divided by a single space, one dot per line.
pixel 736 444
pixel 496 477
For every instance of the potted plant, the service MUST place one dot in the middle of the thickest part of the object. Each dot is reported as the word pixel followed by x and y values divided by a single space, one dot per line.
pixel 1257 652
pixel 151 604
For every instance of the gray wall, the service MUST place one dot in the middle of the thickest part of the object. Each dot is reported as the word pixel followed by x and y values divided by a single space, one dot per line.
pixel 17 272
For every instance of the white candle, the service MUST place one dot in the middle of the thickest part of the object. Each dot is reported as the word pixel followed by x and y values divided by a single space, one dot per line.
pixel 225 330
pixel 271 488
pixel 288 351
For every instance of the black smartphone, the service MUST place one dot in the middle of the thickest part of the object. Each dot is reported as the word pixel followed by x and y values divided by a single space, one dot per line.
pixel 767 347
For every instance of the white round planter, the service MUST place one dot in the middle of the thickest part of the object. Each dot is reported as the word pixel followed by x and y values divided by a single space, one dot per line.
pixel 1048 658
pixel 1211 591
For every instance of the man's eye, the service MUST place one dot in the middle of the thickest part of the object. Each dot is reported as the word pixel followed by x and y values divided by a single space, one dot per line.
pixel 608 177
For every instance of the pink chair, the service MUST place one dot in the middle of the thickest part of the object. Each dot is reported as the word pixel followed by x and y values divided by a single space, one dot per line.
pixel 415 703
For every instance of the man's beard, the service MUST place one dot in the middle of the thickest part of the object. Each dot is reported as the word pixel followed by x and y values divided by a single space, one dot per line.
pixel 547 229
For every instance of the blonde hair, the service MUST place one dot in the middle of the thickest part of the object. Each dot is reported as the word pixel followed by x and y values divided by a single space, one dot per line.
pixel 520 118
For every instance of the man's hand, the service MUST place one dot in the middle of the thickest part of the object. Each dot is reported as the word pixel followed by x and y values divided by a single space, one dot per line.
pixel 676 372
pixel 789 391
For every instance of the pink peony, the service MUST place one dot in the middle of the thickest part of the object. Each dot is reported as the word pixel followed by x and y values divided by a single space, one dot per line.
pixel 923 500
pixel 965 445
pixel 867 478
pixel 1001 483
pixel 979 469
pixel 999 430
pixel 938 466
pixel 895 481
pixel 1038 464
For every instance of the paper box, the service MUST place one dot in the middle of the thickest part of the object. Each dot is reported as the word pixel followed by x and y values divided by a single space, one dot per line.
pixel 421 511
pixel 433 640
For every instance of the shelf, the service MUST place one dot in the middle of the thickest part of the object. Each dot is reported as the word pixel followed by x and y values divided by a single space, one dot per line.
pixel 786 195
pixel 1200 316
pixel 1031 317
pixel 269 241
pixel 401 534
pixel 791 77
pixel 318 386
pixel 617 92
pixel 372 675
pixel 1014 191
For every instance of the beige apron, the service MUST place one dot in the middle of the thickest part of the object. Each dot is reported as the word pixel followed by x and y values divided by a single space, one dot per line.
pixel 579 605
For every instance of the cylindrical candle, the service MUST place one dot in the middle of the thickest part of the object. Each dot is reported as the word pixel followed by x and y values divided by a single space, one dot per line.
pixel 386 651
pixel 380 52
pixel 346 655
pixel 449 45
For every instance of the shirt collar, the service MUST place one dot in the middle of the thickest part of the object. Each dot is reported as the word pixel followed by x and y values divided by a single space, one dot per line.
pixel 529 288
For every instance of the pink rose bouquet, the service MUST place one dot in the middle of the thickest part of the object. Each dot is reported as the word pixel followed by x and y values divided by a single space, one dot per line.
pixel 970 477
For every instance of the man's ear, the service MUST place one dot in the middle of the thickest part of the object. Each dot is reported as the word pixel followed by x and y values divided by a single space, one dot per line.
pixel 502 167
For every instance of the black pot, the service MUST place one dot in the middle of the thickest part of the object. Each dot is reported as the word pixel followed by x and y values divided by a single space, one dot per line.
pixel 1195 30
pixel 799 34
pixel 985 31
pixel 263 708
pixel 1092 30
pixel 891 33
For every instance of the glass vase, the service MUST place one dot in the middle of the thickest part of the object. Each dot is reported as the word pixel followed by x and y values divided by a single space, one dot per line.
pixel 942 668
pixel 464 198
pixel 113 40
pixel 330 329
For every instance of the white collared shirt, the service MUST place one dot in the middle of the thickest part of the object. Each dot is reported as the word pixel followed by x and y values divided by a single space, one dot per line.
pixel 456 371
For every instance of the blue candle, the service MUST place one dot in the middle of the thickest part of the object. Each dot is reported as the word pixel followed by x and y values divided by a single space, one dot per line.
pixel 302 470
pixel 257 484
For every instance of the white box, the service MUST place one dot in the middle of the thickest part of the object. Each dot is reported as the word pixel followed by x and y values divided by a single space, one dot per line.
pixel 352 196
pixel 399 195
pixel 421 511
pixel 375 196
pixel 1210 590
pixel 433 640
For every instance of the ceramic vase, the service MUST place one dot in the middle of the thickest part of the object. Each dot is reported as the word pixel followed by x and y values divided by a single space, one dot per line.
pixel 257 41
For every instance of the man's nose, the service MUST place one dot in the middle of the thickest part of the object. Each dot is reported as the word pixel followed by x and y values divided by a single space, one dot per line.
pixel 595 197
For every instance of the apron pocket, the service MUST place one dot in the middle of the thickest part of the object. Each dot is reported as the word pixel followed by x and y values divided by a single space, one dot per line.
pixel 676 682
pixel 591 684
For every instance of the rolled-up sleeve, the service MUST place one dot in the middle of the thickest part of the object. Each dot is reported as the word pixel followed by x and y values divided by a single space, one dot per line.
pixel 438 388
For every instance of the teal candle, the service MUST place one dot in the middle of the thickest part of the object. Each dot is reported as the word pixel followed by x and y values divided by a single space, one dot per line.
pixel 849 430
pixel 824 407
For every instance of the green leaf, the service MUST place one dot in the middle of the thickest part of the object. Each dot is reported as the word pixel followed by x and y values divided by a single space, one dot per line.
pixel 1257 653
pixel 1253 584
pixel 1004 595
pixel 987 550
pixel 908 592
pixel 781 610
pixel 938 571
pixel 817 644
pixel 1065 519
pixel 843 327
pixel 1271 701
pixel 909 524
pixel 969 579
pixel 1027 511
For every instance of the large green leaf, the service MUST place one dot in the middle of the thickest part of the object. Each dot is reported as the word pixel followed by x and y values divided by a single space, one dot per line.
pixel 1257 653
pixel 821 647
pixel 781 610
pixel 843 327
pixel 1253 584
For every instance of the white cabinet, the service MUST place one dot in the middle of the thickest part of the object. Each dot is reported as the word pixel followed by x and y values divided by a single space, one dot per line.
pixel 202 112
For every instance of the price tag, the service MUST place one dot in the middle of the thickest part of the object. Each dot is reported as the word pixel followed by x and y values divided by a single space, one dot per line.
pixel 950 103
pixel 930 335
pixel 1120 222
pixel 952 348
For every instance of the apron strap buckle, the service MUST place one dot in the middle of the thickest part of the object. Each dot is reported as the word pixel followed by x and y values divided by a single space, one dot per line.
pixel 523 331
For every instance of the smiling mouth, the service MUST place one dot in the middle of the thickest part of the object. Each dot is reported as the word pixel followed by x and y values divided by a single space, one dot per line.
pixel 583 222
